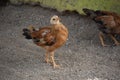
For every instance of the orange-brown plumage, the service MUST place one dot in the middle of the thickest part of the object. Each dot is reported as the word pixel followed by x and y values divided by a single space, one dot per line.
pixel 49 37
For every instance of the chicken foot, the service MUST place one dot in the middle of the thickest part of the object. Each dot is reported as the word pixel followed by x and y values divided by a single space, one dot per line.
pixel 101 35
pixel 115 41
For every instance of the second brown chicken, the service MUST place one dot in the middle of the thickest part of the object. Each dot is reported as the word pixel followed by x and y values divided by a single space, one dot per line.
pixel 108 23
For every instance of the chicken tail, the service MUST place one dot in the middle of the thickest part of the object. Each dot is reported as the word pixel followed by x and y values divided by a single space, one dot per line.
pixel 89 12
pixel 94 13
pixel 26 33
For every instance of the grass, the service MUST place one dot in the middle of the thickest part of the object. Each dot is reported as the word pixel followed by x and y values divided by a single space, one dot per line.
pixel 61 5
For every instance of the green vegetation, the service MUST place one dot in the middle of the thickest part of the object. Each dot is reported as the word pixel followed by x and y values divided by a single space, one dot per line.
pixel 61 5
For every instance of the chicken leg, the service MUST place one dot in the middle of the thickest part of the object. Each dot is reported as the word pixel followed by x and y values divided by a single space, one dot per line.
pixel 101 35
pixel 115 41
pixel 53 60
pixel 47 57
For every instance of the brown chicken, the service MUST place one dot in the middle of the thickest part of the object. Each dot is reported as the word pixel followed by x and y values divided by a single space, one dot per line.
pixel 108 23
pixel 50 38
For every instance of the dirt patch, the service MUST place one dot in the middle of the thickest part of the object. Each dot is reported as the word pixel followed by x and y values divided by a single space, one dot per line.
pixel 81 58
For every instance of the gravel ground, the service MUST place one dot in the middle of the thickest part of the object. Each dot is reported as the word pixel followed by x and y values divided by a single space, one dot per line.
pixel 81 58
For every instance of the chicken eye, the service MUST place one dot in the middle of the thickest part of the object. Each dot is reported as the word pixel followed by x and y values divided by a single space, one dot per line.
pixel 53 19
